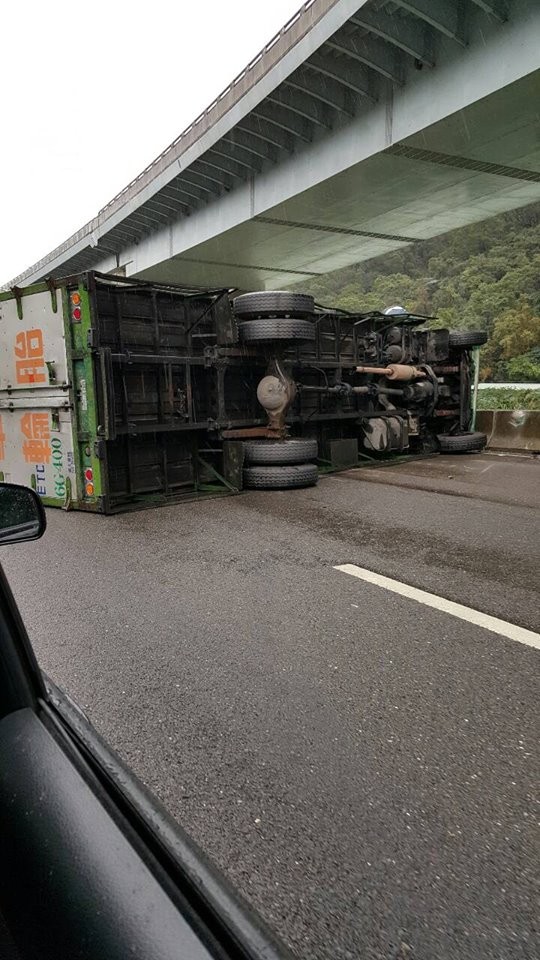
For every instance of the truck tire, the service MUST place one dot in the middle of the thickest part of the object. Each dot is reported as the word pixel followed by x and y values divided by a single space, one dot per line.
pixel 467 442
pixel 275 328
pixel 280 452
pixel 465 339
pixel 280 478
pixel 273 303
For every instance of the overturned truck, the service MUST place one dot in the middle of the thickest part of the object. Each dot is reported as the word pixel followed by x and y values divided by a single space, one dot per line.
pixel 119 393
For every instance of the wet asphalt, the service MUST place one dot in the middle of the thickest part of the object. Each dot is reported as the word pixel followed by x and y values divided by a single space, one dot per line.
pixel 362 767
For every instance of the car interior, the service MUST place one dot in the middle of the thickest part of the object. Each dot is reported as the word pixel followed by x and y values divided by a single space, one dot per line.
pixel 92 866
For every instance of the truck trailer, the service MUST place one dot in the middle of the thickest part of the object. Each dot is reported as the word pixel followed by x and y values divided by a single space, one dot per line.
pixel 117 393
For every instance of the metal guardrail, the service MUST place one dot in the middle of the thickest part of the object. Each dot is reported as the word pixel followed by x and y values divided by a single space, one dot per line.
pixel 508 386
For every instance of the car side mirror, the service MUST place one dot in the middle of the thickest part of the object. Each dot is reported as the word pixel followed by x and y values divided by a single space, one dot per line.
pixel 22 516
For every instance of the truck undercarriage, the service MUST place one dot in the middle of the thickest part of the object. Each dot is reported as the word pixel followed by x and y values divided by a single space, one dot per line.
pixel 174 393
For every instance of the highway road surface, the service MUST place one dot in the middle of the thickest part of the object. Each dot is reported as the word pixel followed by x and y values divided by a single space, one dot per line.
pixel 361 762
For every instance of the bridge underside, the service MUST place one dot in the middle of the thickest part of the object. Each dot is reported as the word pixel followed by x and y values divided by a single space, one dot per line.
pixel 479 162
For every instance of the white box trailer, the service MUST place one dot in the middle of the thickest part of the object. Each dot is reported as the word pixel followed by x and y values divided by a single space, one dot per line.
pixel 37 428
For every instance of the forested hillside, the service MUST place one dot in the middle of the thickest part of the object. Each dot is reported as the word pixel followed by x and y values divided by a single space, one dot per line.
pixel 486 276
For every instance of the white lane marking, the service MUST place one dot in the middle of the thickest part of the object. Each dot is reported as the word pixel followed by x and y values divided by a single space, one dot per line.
pixel 504 629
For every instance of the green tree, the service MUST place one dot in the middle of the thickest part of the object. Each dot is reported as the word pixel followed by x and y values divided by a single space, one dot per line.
pixel 485 276
pixel 517 331
pixel 509 352
pixel 524 367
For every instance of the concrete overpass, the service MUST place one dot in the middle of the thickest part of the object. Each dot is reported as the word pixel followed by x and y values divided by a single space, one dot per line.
pixel 361 127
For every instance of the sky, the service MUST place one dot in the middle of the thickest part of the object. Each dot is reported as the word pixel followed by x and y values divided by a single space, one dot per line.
pixel 92 92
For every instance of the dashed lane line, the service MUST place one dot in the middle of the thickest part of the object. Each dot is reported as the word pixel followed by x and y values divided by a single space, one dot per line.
pixel 502 627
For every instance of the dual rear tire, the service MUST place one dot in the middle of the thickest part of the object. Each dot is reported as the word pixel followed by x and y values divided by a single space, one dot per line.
pixel 277 316
pixel 273 303
pixel 274 315
pixel 280 464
